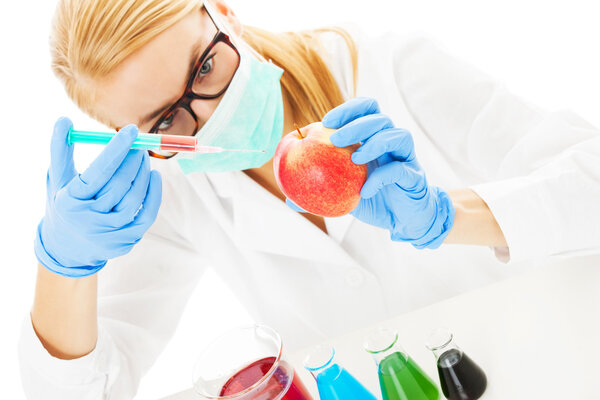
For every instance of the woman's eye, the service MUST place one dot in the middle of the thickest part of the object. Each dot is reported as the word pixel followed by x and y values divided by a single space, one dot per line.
pixel 166 123
pixel 205 68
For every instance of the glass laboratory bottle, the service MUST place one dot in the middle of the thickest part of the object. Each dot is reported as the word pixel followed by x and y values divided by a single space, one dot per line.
pixel 460 377
pixel 247 363
pixel 333 381
pixel 400 377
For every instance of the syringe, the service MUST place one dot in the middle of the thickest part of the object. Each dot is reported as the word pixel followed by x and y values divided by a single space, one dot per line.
pixel 152 141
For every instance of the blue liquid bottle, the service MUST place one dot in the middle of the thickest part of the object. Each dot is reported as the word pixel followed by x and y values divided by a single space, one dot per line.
pixel 333 381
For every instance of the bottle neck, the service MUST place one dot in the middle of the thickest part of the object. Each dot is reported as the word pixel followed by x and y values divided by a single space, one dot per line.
pixel 320 360
pixel 382 343
pixel 440 351
pixel 441 342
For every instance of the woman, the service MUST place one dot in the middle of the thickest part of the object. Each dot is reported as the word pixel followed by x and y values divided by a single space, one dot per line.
pixel 178 66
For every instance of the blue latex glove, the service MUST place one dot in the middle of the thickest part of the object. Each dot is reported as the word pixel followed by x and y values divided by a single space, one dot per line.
pixel 396 195
pixel 99 214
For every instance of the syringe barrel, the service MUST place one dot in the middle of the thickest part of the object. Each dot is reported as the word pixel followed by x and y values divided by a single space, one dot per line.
pixel 177 143
pixel 144 141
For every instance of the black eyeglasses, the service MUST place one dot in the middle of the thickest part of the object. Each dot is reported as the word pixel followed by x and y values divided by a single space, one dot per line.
pixel 210 78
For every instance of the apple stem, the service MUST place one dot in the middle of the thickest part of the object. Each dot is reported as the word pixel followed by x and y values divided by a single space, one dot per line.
pixel 299 133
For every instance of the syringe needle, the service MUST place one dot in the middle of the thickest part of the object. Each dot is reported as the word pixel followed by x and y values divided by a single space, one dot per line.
pixel 216 149
pixel 246 151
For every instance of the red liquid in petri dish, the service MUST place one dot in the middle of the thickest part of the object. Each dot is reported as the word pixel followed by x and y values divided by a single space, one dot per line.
pixel 278 381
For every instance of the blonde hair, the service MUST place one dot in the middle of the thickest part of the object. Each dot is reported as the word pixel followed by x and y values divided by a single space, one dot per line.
pixel 90 38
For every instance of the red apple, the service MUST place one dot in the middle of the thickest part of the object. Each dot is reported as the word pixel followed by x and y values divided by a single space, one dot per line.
pixel 316 175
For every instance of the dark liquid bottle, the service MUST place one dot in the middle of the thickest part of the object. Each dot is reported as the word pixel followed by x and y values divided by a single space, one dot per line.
pixel 460 377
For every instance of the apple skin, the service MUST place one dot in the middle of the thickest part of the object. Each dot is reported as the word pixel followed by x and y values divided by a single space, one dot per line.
pixel 316 175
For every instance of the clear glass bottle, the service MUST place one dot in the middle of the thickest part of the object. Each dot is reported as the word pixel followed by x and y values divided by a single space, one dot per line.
pixel 247 363
pixel 460 377
pixel 333 381
pixel 400 377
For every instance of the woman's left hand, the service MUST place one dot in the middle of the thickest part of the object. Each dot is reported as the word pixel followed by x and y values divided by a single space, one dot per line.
pixel 396 195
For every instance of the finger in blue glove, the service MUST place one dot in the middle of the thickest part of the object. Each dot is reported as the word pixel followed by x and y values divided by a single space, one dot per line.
pixel 129 170
pixel 360 129
pixel 349 111
pixel 394 143
pixel 105 165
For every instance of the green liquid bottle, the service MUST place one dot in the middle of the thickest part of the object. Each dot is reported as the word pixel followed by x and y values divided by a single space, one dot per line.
pixel 400 378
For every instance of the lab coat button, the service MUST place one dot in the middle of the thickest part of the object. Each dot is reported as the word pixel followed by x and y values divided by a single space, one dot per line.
pixel 354 278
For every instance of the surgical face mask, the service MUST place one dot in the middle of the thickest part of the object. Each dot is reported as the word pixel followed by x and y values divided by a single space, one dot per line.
pixel 249 116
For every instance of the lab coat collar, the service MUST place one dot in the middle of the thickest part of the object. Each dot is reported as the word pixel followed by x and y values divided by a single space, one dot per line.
pixel 263 222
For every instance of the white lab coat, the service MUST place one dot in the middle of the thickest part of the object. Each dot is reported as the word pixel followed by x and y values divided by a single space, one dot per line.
pixel 539 173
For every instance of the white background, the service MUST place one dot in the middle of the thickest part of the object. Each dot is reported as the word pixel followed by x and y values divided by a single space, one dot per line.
pixel 546 51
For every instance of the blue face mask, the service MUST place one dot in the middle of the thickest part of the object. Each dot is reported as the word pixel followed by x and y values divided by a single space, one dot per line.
pixel 249 116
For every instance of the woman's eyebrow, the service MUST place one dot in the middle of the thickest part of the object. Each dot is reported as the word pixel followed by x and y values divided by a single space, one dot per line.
pixel 192 63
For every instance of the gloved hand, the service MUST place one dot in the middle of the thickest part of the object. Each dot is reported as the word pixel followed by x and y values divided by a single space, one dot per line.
pixel 396 195
pixel 99 214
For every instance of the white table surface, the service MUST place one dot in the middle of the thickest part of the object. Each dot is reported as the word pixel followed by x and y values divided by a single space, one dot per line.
pixel 537 335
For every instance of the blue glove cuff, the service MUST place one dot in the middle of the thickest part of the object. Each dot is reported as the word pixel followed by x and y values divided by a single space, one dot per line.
pixel 53 266
pixel 441 226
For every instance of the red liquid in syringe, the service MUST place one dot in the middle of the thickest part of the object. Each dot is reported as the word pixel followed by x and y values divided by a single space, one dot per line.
pixel 251 374
pixel 177 143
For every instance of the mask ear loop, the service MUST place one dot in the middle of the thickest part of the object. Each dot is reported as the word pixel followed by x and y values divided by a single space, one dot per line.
pixel 237 41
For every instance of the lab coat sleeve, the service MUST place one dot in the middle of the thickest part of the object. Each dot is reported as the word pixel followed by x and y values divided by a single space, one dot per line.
pixel 141 298
pixel 538 171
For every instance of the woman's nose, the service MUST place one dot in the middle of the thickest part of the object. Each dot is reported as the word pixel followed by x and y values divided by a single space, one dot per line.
pixel 204 108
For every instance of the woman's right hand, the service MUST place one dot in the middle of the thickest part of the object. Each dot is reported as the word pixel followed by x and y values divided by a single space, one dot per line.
pixel 99 214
